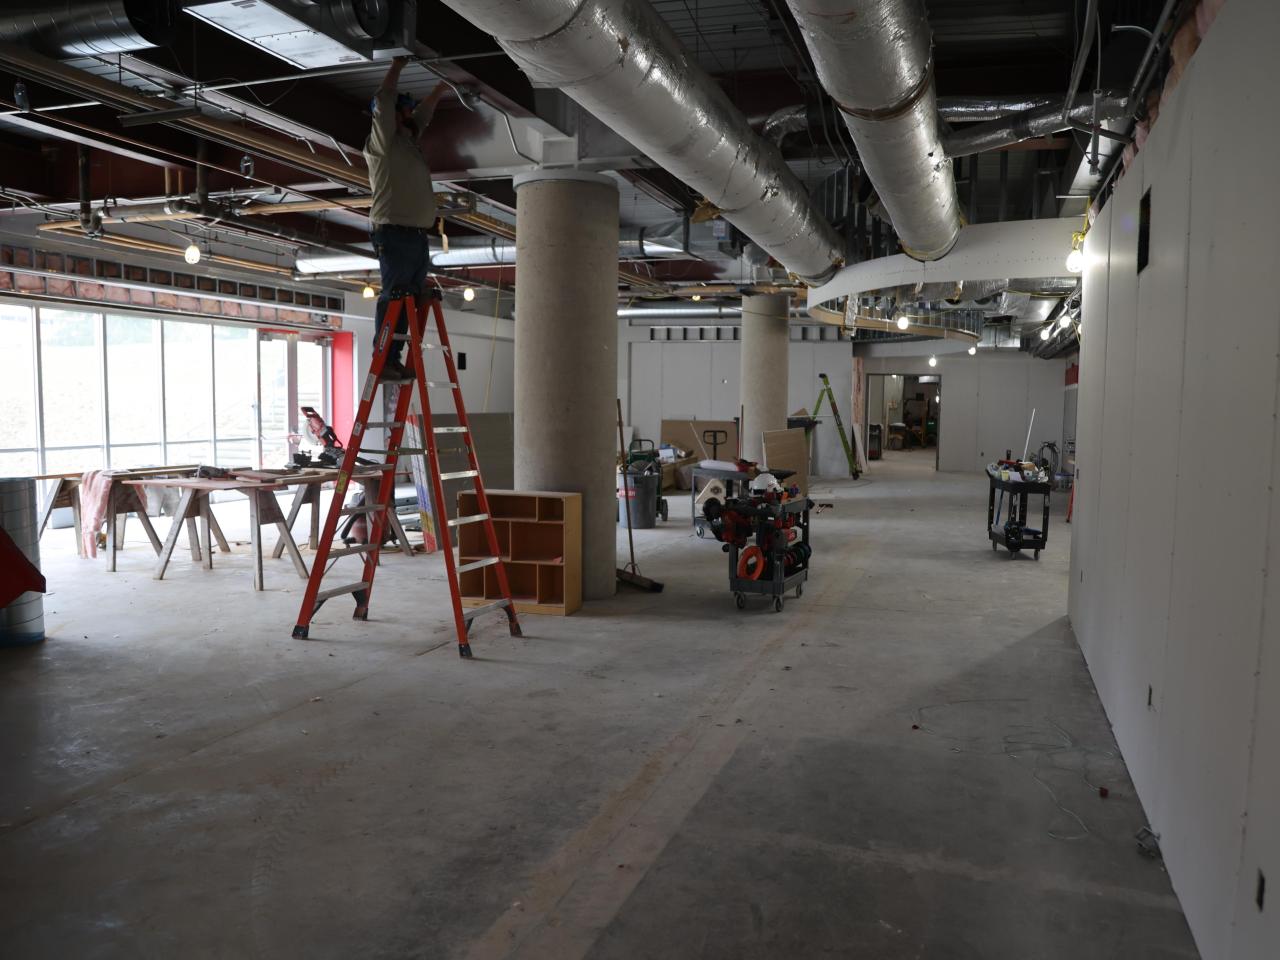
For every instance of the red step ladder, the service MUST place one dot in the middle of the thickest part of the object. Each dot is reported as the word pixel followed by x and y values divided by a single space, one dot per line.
pixel 416 381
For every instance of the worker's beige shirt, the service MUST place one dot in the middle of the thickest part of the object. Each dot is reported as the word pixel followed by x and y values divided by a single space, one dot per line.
pixel 398 172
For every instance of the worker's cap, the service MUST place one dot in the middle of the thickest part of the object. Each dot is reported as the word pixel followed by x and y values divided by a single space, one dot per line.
pixel 403 102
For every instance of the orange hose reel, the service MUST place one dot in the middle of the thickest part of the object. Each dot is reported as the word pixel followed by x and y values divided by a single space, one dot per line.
pixel 747 570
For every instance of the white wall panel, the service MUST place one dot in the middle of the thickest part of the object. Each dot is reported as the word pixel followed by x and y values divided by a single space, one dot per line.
pixel 646 389
pixel 726 373
pixel 686 381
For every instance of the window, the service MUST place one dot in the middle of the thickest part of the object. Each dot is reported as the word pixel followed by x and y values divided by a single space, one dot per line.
pixel 134 391
pixel 273 375
pixel 18 437
pixel 235 396
pixel 71 389
pixel 188 391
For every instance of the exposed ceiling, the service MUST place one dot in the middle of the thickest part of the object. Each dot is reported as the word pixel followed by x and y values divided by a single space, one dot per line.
pixel 492 121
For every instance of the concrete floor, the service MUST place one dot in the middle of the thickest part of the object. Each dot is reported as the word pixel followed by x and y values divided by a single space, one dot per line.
pixel 658 776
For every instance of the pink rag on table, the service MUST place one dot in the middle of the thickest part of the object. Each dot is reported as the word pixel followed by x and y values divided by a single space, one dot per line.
pixel 95 490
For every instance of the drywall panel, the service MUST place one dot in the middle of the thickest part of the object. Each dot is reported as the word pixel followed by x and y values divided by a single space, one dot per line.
pixel 1046 380
pixel 686 381
pixel 646 389
pixel 1110 558
pixel 726 373
pixel 1090 397
pixel 1002 408
pixel 958 423
pixel 1206 723
pixel 835 359
pixel 1154 444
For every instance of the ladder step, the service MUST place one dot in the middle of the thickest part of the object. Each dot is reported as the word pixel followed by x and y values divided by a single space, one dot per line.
pixel 345 588
pixel 441 385
pixel 349 551
pixel 385 424
pixel 474 518
pixel 477 564
pixel 460 475
pixel 361 511
pixel 473 612
pixel 451 429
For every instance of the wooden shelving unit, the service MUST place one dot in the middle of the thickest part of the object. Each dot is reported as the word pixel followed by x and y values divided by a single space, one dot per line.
pixel 540 537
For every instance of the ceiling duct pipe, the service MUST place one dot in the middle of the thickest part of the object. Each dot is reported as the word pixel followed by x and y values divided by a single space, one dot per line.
pixel 89 223
pixel 619 60
pixel 86 28
pixel 974 109
pixel 1045 120
pixel 874 58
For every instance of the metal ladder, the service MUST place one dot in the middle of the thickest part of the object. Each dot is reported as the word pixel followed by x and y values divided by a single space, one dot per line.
pixel 826 394
pixel 315 596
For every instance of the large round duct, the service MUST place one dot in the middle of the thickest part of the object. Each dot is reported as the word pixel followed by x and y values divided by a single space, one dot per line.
pixel 83 28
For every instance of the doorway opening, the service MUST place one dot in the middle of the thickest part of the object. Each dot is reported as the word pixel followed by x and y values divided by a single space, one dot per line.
pixel 904 417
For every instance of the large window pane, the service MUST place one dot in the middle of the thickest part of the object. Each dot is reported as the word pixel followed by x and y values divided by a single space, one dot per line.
pixel 20 464
pixel 71 362
pixel 17 381
pixel 133 382
pixel 274 358
pixel 136 455
pixel 312 357
pixel 235 385
pixel 185 454
pixel 77 460
pixel 188 383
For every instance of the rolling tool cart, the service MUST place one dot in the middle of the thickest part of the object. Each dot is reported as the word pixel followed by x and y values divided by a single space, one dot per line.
pixel 1010 530
pixel 766 535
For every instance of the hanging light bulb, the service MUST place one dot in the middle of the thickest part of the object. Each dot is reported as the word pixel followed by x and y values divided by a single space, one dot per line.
pixel 468 294
pixel 696 297
pixel 1075 260
pixel 973 351
pixel 933 361
pixel 368 292
pixel 191 254
pixel 1064 321
pixel 903 321
pixel 1045 333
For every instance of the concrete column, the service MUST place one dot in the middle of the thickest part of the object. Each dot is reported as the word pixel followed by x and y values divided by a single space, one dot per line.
pixel 763 383
pixel 566 344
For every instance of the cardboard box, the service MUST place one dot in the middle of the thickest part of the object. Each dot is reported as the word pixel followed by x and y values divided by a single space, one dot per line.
pixel 678 474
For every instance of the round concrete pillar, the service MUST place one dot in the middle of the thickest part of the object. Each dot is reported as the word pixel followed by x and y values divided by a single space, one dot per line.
pixel 763 381
pixel 566 346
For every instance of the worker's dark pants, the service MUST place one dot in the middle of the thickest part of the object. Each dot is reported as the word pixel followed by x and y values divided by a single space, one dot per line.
pixel 404 257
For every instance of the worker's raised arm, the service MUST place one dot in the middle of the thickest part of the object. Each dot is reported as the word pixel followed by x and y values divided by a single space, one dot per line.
pixel 384 108
pixel 425 110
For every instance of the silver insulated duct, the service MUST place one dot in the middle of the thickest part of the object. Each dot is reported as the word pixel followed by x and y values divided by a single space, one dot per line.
pixel 619 60
pixel 874 58
pixel 1038 122
pixel 84 28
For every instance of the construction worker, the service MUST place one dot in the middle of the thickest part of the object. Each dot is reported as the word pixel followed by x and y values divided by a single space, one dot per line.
pixel 404 207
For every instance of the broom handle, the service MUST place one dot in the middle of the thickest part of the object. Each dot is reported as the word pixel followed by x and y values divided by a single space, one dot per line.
pixel 626 493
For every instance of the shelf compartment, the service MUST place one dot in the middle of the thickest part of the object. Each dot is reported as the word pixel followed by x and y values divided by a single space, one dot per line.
pixel 551 585
pixel 537 542
pixel 473 544
pixel 522 577
pixel 550 510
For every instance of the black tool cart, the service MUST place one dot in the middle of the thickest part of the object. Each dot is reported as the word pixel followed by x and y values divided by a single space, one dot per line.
pixel 1008 528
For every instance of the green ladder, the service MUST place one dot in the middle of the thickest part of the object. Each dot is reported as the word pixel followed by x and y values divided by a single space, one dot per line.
pixel 826 394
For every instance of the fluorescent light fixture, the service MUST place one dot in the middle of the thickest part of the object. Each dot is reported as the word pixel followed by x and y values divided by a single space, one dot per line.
pixel 933 361
pixel 335 263
pixel 468 294
pixel 1075 261
pixel 191 254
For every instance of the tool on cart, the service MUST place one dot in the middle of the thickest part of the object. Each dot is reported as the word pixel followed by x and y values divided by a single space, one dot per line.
pixel 766 535
pixel 414 385
pixel 827 394
pixel 1020 480
pixel 715 438
pixel 630 573
pixel 644 460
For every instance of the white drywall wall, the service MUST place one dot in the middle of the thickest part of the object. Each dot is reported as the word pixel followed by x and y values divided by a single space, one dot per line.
pixel 684 380
pixel 987 399
pixel 1176 538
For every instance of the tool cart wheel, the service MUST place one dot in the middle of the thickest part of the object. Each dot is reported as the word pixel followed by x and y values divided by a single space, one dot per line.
pixel 700 530
pixel 1037 554
pixel 994 546
pixel 662 509
pixel 777 604
pixel 740 600
pixel 799 590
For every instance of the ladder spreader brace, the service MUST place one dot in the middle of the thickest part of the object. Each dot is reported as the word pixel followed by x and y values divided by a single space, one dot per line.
pixel 416 376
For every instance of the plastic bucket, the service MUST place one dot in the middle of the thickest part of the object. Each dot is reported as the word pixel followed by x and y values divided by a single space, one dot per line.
pixel 642 496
